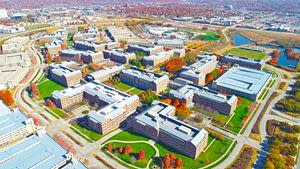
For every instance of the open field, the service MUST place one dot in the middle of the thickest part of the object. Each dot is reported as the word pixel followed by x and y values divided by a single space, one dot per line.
pixel 213 153
pixel 46 87
pixel 207 36
pixel 87 132
pixel 237 121
pixel 246 53
pixel 128 136
pixel 128 89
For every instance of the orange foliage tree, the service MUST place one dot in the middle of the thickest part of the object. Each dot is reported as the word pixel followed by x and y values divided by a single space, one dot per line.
pixel 7 97
pixel 275 58
pixel 141 155
pixel 167 161
pixel 127 149
pixel 49 103
pixel 84 72
pixel 174 65
pixel 178 163
pixel 57 59
pixel 209 78
pixel 34 90
pixel 109 147
pixel 63 46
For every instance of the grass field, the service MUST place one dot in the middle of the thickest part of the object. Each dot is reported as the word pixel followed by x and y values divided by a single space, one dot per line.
pixel 237 121
pixel 128 136
pixel 136 147
pixel 87 132
pixel 208 36
pixel 213 153
pixel 123 86
pixel 57 111
pixel 135 91
pixel 246 53
pixel 46 87
pixel 70 40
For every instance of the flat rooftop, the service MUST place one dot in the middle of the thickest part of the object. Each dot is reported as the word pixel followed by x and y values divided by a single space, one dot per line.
pixel 10 120
pixel 145 75
pixel 243 79
pixel 156 116
pixel 204 62
pixel 37 151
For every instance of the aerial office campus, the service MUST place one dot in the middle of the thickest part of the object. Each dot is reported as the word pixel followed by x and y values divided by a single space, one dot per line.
pixel 149 84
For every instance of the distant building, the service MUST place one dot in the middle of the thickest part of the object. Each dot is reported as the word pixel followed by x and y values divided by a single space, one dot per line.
pixel 197 72
pixel 158 124
pixel 158 58
pixel 243 82
pixel 118 56
pixel 171 43
pixel 113 106
pixel 105 73
pixel 147 50
pixel 63 74
pixel 54 47
pixel 244 62
pixel 14 45
pixel 201 96
pixel 85 45
pixel 3 13
pixel 144 80
pixel 91 57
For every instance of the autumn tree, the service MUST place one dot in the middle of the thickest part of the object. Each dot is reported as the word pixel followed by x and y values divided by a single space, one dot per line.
pixel 167 101
pixel 141 155
pixel 84 72
pixel 34 90
pixel 239 101
pixel 48 57
pixel 176 103
pixel 167 161
pixel 127 149
pixel 63 46
pixel 209 78
pixel 120 149
pixel 109 147
pixel 49 103
pixel 174 65
pixel 7 97
pixel 178 163
pixel 57 59
pixel 275 57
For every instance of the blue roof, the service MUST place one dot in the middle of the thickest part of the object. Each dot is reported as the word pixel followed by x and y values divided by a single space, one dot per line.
pixel 39 151
pixel 10 120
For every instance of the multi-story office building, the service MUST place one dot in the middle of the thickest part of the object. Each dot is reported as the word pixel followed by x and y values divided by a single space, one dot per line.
pixel 91 57
pixel 70 55
pixel 158 123
pixel 243 62
pixel 158 58
pixel 63 74
pixel 15 125
pixel 114 106
pixel 49 38
pixel 86 45
pixel 118 56
pixel 197 72
pixel 171 43
pixel 91 34
pixel 54 47
pixel 147 50
pixel 144 80
pixel 105 73
pixel 201 96
pixel 243 82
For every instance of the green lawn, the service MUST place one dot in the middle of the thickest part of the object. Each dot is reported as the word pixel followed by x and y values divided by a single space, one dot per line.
pixel 70 40
pixel 128 136
pixel 237 122
pixel 87 132
pixel 57 111
pixel 208 36
pixel 246 53
pixel 213 153
pixel 135 91
pixel 136 147
pixel 123 86
pixel 46 87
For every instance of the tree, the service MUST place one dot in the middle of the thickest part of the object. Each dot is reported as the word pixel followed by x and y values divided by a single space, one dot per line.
pixel 35 92
pixel 120 149
pixel 176 103
pixel 167 101
pixel 141 155
pixel 49 103
pixel 109 147
pixel 84 72
pixel 209 78
pixel 167 161
pixel 275 58
pixel 63 46
pixel 178 163
pixel 127 149
pixel 239 101
pixel 7 97
pixel 57 59
pixel 174 65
